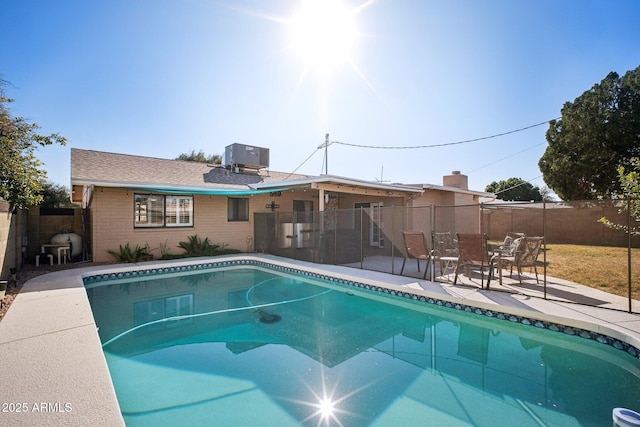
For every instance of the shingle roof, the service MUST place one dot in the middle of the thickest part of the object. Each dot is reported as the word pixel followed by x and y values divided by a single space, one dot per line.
pixel 89 167
pixel 99 167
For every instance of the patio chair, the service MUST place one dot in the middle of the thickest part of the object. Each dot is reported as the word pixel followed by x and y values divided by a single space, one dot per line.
pixel 415 248
pixel 525 255
pixel 474 252
pixel 444 250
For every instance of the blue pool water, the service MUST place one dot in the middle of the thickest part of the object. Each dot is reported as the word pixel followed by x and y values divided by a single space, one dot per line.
pixel 251 346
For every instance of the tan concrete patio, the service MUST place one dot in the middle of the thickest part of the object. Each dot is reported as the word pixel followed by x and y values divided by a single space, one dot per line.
pixel 556 289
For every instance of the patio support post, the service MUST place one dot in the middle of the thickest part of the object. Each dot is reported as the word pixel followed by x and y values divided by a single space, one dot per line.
pixel 433 218
pixel 361 238
pixel 321 199
pixel 335 242
pixel 629 250
pixel 392 234
pixel 544 247
pixel 481 225
pixel 432 208
pixel 321 196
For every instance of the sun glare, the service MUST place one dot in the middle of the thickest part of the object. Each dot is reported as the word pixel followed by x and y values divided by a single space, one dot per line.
pixel 324 33
pixel 326 408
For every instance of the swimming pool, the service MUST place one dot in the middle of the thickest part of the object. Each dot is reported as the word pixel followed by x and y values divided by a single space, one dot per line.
pixel 250 342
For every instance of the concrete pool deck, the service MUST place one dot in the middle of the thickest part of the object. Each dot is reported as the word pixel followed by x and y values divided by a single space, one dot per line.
pixel 53 370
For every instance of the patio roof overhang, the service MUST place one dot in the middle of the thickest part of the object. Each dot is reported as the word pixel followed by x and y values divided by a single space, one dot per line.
pixel 179 189
pixel 337 184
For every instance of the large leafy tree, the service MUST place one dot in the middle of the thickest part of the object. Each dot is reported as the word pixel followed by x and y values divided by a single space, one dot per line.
pixel 21 178
pixel 597 133
pixel 515 189
pixel 55 196
pixel 630 183
pixel 200 157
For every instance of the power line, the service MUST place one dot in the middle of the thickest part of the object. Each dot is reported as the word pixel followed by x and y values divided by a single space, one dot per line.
pixel 299 166
pixel 504 158
pixel 518 185
pixel 408 147
pixel 327 143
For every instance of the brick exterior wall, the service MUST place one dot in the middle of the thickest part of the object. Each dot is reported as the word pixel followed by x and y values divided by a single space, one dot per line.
pixel 41 228
pixel 112 223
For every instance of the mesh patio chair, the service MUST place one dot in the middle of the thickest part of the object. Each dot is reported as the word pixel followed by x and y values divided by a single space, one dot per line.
pixel 525 255
pixel 415 248
pixel 444 250
pixel 474 252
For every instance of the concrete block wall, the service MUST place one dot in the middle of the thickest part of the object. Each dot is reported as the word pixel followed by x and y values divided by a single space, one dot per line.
pixel 562 225
pixel 7 244
pixel 13 227
pixel 41 228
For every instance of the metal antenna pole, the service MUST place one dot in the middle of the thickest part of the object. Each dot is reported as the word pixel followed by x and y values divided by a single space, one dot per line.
pixel 326 154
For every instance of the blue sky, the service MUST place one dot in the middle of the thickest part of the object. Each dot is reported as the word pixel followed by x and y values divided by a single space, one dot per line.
pixel 164 77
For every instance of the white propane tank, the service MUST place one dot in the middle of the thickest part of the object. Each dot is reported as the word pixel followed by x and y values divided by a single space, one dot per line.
pixel 65 238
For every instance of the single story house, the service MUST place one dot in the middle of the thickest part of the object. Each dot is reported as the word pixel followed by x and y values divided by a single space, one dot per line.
pixel 160 202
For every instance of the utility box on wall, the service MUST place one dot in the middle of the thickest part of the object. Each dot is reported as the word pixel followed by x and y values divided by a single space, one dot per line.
pixel 246 156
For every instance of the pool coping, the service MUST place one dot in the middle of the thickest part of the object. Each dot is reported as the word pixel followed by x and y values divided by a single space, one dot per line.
pixel 54 371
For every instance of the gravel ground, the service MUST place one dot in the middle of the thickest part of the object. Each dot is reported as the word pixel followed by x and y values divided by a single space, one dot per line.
pixel 27 273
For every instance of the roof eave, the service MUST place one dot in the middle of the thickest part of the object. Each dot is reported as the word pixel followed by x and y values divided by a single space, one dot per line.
pixel 165 188
pixel 338 180
pixel 456 190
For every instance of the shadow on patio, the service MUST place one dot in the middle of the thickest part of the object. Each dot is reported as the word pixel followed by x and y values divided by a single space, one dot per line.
pixel 556 289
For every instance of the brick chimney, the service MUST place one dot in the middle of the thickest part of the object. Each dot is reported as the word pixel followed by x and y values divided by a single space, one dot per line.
pixel 456 179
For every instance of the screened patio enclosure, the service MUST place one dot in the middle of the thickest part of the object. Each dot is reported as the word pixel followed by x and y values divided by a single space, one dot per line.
pixel 370 237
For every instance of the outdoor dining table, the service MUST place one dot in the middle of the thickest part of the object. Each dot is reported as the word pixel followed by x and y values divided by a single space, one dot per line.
pixel 62 249
pixel 449 265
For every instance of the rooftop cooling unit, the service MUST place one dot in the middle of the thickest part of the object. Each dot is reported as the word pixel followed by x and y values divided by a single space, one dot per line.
pixel 246 156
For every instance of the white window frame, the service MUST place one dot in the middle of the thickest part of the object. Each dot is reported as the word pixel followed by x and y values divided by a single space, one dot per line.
pixel 148 210
pixel 183 206
pixel 170 211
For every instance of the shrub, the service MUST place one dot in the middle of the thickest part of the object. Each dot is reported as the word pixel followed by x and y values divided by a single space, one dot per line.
pixel 126 254
pixel 195 246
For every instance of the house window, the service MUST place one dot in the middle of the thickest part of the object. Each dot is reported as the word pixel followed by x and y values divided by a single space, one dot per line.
pixel 152 311
pixel 179 211
pixel 152 210
pixel 149 210
pixel 181 305
pixel 237 209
